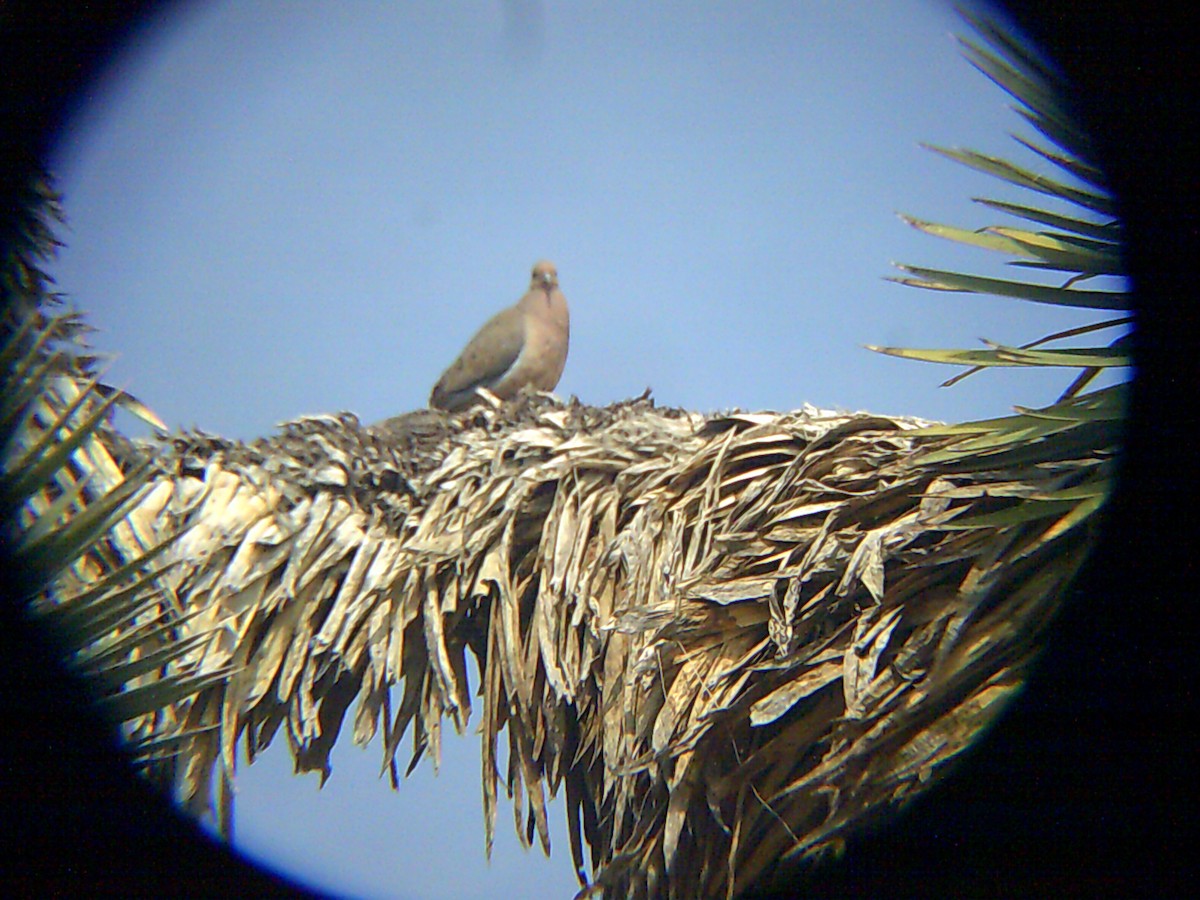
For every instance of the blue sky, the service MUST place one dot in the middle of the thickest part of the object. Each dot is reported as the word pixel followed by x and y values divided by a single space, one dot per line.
pixel 278 209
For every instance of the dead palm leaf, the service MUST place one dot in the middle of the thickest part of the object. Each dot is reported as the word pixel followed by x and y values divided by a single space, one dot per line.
pixel 731 638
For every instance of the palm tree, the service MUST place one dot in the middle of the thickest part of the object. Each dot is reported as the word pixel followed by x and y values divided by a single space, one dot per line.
pixel 731 640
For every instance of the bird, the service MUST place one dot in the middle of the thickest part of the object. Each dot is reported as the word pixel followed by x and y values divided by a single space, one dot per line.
pixel 522 346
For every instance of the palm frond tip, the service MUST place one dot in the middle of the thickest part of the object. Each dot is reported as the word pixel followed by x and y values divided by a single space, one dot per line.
pixel 1083 245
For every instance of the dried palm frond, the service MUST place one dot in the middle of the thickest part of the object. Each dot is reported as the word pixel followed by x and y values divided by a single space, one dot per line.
pixel 730 638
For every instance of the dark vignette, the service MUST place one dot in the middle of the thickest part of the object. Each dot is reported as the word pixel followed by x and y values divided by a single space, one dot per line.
pixel 1077 792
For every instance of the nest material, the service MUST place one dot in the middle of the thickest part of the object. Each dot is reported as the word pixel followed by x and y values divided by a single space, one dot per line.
pixel 731 637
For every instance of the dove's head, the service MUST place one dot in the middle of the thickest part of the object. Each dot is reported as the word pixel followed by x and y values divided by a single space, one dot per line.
pixel 544 274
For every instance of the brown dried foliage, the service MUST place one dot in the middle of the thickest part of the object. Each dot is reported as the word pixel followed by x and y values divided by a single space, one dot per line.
pixel 730 638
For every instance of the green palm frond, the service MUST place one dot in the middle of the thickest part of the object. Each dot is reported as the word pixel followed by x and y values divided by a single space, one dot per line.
pixel 1095 357
pixel 1079 425
pixel 82 565
pixel 1083 244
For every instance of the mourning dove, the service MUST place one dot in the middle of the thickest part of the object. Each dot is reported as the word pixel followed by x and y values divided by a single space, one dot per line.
pixel 524 345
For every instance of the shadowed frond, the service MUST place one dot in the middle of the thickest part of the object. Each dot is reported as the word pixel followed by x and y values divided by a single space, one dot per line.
pixel 83 567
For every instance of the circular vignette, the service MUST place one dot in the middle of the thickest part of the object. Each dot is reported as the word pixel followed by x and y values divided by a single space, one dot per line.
pixel 1072 786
